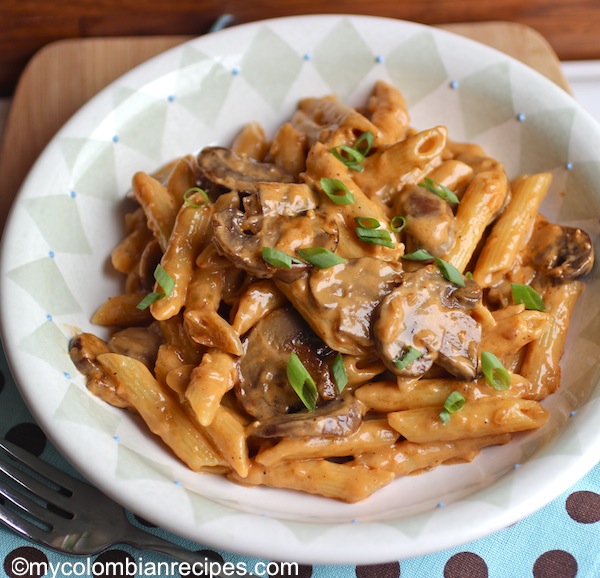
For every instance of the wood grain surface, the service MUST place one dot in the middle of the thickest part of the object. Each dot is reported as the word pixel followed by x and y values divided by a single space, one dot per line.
pixel 570 26
pixel 65 74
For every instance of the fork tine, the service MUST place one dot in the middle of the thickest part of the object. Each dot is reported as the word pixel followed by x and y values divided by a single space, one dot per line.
pixel 21 525
pixel 41 467
pixel 35 486
pixel 36 511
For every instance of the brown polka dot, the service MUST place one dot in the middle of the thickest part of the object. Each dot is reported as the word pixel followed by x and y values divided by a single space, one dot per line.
pixel 466 565
pixel 280 570
pixel 555 564
pixel 17 563
pixel 114 564
pixel 28 436
pixel 584 507
pixel 390 570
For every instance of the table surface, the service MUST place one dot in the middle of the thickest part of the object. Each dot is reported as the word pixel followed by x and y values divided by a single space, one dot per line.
pixel 532 547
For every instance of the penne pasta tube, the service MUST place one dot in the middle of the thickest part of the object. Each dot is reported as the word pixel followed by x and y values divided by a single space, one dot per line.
pixel 158 204
pixel 288 149
pixel 488 416
pixel 251 141
pixel 338 481
pixel 483 198
pixel 190 234
pixel 387 171
pixel 387 109
pixel 405 458
pixel 541 362
pixel 163 415
pixel 122 311
pixel 209 382
pixel 512 230
pixel 371 435
pixel 183 177
pixel 259 299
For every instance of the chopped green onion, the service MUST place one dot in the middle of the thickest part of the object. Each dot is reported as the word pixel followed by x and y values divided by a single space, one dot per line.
pixel 192 191
pixel 349 156
pixel 301 381
pixel 528 296
pixel 367 222
pixel 493 370
pixel 454 402
pixel 337 191
pixel 439 190
pixel 450 272
pixel 469 275
pixel 418 255
pixel 375 236
pixel 398 223
pixel 339 372
pixel 407 357
pixel 165 282
pixel 364 143
pixel 320 257
pixel 277 258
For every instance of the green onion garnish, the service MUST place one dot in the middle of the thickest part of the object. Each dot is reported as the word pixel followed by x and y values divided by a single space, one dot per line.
pixel 418 255
pixel 337 191
pixel 339 372
pixel 349 156
pixel 304 385
pixel 454 402
pixel 320 257
pixel 375 236
pixel 367 222
pixel 277 258
pixel 469 275
pixel 192 191
pixel 528 296
pixel 165 282
pixel 450 272
pixel 439 190
pixel 493 370
pixel 407 357
pixel 398 223
pixel 364 143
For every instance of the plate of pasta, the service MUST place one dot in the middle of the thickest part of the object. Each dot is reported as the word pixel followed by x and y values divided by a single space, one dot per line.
pixel 330 306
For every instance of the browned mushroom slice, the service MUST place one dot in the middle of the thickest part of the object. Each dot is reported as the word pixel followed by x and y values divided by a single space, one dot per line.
pixel 563 253
pixel 84 350
pixel 342 298
pixel 430 222
pixel 425 321
pixel 340 417
pixel 242 236
pixel 222 166
pixel 263 388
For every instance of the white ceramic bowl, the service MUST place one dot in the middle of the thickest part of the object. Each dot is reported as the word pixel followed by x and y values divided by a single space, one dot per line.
pixel 66 220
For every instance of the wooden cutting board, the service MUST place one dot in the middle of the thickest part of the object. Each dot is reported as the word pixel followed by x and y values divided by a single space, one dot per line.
pixel 65 74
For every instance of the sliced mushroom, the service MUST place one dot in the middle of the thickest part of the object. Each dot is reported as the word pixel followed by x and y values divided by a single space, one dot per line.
pixel 338 302
pixel 141 343
pixel 563 253
pixel 263 388
pixel 340 417
pixel 221 166
pixel 241 236
pixel 430 222
pixel 429 315
pixel 84 350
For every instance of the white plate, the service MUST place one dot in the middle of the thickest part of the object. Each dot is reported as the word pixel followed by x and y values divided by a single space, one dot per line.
pixel 65 222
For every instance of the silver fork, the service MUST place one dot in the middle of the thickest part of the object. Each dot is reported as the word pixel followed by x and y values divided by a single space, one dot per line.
pixel 54 509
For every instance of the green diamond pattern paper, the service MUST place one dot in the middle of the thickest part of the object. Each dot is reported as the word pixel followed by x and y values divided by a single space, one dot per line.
pixel 78 407
pixel 43 280
pixel 343 58
pixel 202 85
pixel 270 66
pixel 408 60
pixel 49 344
pixel 50 214
pixel 486 99
pixel 582 203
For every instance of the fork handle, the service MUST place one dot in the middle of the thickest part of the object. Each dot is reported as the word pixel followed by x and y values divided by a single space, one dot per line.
pixel 145 541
